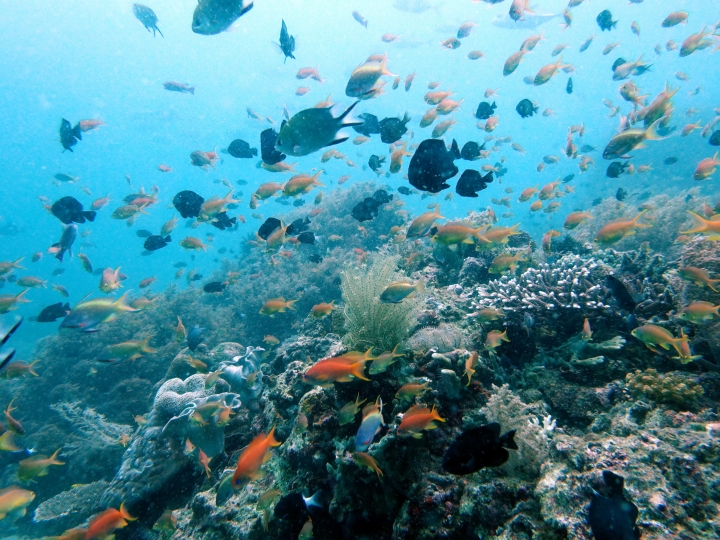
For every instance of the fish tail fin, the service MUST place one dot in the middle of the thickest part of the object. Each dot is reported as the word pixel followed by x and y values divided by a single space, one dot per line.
pixel 435 416
pixel 700 224
pixel 636 222
pixel 395 353
pixel 508 440
pixel 651 133
pixel 290 304
pixel 125 514
pixel 271 440
pixel 358 370
pixel 711 282
pixel 420 285
pixel 314 500
pixel 53 458
pixel 368 355
pixel 121 303
pixel 436 214
pixel 384 69
pixel 30 369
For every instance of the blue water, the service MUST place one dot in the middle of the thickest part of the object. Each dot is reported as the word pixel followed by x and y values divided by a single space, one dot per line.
pixel 88 59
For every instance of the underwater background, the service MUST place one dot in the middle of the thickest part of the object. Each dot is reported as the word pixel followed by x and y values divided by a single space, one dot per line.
pixel 581 374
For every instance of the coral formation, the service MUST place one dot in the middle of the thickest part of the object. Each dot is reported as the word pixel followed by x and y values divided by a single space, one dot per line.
pixel 672 388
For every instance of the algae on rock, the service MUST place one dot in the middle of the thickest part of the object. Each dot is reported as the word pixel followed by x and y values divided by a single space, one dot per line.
pixel 369 322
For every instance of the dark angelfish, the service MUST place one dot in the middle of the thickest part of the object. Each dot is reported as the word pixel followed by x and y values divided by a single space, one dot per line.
pixel 5 334
pixel 604 20
pixel 616 168
pixel 370 125
pixel 215 286
pixel 267 147
pixel 53 312
pixel 306 237
pixel 569 86
pixel 222 221
pixel 620 293
pixel 432 164
pixel 391 129
pixel 375 162
pixel 155 242
pixel 241 149
pixel 471 182
pixel 621 194
pixel 477 448
pixel 147 17
pixel 526 108
pixel 267 228
pixel 287 42
pixel 298 226
pixel 70 210
pixel 485 110
pixel 613 517
pixel 471 151
pixel 369 207
pixel 188 203
pixel 715 138
pixel 69 135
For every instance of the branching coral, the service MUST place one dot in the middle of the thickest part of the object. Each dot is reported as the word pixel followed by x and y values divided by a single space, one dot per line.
pixel 672 388
pixel 369 322
pixel 532 438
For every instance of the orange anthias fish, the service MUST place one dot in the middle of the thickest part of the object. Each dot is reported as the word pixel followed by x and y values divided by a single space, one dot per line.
pixel 252 458
pixel 14 501
pixel 332 370
pixel 276 305
pixel 417 419
pixel 710 227
pixel 620 228
pixel 106 522
pixel 322 310
pixel 36 466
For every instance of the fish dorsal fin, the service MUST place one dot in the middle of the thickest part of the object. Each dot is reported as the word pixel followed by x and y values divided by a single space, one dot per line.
pixel 415 410
pixel 282 124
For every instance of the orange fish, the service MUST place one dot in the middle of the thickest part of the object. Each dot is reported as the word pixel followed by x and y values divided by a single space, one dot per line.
pixel 106 522
pixel 340 369
pixel 417 419
pixel 252 458
pixel 620 228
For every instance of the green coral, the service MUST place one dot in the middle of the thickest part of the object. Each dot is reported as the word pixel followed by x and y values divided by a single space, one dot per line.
pixel 673 388
pixel 369 322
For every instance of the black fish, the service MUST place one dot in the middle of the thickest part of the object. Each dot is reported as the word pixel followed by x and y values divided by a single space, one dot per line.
pixel 53 312
pixel 620 293
pixel 70 210
pixel 613 517
pixel 315 258
pixel 287 42
pixel 241 149
pixel 267 228
pixel 615 169
pixel 568 178
pixel 597 201
pixel 368 208
pixel 471 151
pixel 471 182
pixel 267 147
pixel 307 237
pixel 297 203
pixel 195 277
pixel 485 110
pixel 404 190
pixel 188 203
pixel 194 337
pixel 375 162
pixel 147 16
pixel 298 226
pixel 585 148
pixel 215 286
pixel 526 108
pixel 66 241
pixel 432 164
pixel 370 125
pixel 296 510
pixel 69 136
pixel 673 160
pixel 143 233
pixel 620 194
pixel 642 68
pixel 619 62
pixel 715 138
pixel 391 129
pixel 155 242
pixel 604 20
pixel 222 221
pixel 478 448
pixel 569 86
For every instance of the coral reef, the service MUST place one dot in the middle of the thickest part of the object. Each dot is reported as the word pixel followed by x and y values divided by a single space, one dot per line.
pixel 370 322
pixel 672 388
